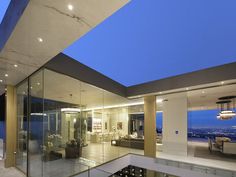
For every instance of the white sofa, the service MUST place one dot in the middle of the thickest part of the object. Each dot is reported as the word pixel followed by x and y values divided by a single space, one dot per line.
pixel 229 148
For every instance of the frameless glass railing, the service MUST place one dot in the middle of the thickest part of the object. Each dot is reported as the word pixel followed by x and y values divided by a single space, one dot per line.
pixel 95 172
pixel 161 167
pixel 197 168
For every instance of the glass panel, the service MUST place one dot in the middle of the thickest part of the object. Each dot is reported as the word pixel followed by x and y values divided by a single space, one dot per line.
pixel 92 118
pixel 36 125
pixel 65 128
pixel 22 124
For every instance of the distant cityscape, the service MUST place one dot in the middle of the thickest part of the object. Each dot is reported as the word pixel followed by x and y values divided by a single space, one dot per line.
pixel 203 124
pixel 202 134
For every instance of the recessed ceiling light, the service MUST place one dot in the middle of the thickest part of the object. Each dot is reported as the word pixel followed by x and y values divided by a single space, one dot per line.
pixel 70 7
pixel 160 92
pixel 31 87
pixel 222 82
pixel 15 65
pixel 40 39
pixel 1 80
pixel 6 75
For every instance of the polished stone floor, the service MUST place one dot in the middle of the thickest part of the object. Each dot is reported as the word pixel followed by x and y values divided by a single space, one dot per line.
pixel 9 172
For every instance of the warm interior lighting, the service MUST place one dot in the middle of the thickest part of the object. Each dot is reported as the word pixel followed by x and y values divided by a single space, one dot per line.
pixel 1 80
pixel 6 75
pixel 226 115
pixel 70 110
pixel 15 65
pixel 114 106
pixel 159 100
pixel 70 7
pixel 38 114
pixel 40 39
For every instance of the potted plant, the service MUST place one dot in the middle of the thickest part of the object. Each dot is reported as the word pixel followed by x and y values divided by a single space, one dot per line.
pixel 73 149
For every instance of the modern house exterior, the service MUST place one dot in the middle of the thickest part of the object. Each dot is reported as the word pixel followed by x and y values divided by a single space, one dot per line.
pixel 63 117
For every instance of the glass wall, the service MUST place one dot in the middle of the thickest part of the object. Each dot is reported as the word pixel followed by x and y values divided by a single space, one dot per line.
pixel 22 126
pixel 74 126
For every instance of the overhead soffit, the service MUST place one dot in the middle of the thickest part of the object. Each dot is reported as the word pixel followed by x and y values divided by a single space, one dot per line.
pixel 46 28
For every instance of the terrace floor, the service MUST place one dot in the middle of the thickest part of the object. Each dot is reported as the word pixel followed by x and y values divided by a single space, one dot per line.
pixel 98 153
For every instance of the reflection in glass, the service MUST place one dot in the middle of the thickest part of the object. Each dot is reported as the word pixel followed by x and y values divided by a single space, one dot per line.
pixel 74 125
pixel 22 103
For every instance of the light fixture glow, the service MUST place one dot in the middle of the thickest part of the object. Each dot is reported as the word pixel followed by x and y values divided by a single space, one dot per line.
pixel 226 115
pixel 159 100
pixel 38 83
pixel 222 82
pixel 203 92
pixel 15 65
pixel 40 39
pixel 70 6
pixel 38 114
pixel 1 80
pixel 70 110
pixel 6 75
pixel 187 88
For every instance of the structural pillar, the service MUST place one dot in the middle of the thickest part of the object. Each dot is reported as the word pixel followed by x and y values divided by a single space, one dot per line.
pixel 11 125
pixel 150 126
pixel 175 132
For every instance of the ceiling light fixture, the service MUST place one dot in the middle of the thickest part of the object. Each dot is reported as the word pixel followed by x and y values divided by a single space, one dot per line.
pixel 40 39
pixel 15 65
pixel 159 100
pixel 187 88
pixel 6 75
pixel 226 107
pixel 1 80
pixel 222 82
pixel 70 110
pixel 38 83
pixel 70 7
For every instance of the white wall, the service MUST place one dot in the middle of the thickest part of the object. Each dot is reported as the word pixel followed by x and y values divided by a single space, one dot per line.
pixel 175 124
pixel 119 115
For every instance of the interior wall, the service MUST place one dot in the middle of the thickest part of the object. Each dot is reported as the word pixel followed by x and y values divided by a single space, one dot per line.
pixel 175 124
pixel 118 118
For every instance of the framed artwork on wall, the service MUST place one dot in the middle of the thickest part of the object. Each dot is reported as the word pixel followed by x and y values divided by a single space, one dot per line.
pixel 119 125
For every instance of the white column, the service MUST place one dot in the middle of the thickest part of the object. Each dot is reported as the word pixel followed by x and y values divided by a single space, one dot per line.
pixel 175 124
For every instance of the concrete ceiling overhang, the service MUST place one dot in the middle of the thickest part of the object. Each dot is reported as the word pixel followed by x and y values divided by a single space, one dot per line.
pixel 206 78
pixel 44 29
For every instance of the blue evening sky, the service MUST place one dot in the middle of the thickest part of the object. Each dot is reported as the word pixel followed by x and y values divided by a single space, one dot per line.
pixel 152 39
pixel 202 119
pixel 207 119
pixel 3 7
